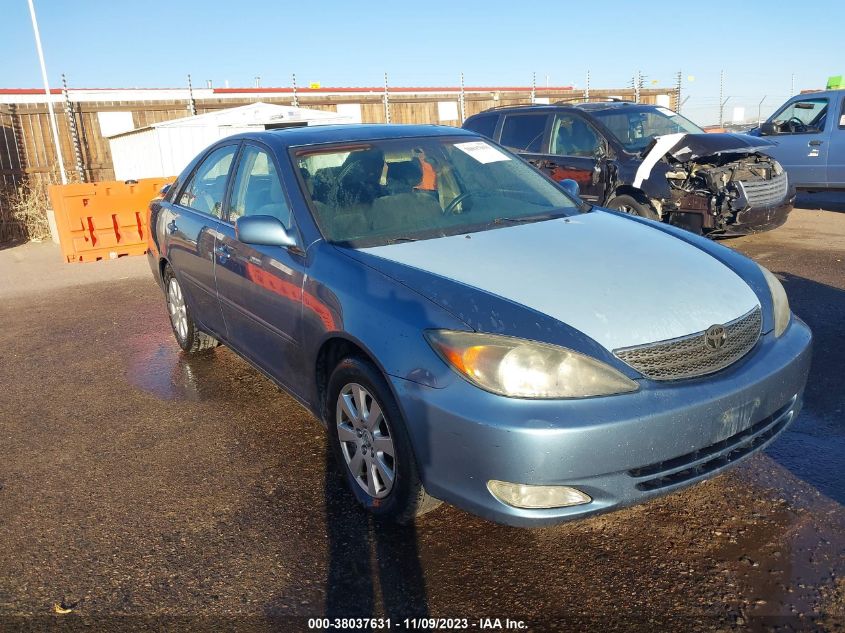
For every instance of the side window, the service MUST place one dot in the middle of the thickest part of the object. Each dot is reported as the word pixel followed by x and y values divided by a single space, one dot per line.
pixel 572 136
pixel 484 125
pixel 801 117
pixel 257 188
pixel 206 188
pixel 842 116
pixel 524 132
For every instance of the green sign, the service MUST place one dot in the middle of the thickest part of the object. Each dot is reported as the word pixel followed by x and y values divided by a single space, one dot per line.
pixel 835 82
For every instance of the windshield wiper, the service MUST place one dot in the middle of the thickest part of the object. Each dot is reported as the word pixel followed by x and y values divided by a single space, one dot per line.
pixel 537 217
pixel 396 240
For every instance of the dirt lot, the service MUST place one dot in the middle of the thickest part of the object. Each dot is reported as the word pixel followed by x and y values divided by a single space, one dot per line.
pixel 143 489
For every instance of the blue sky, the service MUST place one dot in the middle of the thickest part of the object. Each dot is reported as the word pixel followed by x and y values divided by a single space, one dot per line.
pixel 156 44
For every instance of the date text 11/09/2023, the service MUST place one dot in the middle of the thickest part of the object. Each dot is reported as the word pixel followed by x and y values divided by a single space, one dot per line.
pixel 427 624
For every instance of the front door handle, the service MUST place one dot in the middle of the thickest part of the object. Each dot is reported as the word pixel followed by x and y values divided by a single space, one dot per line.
pixel 814 143
pixel 171 227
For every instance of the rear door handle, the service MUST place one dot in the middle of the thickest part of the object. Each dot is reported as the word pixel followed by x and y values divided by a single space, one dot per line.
pixel 814 143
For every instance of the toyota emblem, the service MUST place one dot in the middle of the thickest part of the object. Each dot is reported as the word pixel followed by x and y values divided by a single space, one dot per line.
pixel 715 337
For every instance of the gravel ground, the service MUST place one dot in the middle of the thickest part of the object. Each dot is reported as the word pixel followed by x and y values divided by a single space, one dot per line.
pixel 141 489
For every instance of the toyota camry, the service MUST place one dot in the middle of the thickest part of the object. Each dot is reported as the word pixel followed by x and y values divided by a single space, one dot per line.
pixel 470 331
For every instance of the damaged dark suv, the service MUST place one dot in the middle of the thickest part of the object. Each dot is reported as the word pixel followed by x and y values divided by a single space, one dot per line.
pixel 649 161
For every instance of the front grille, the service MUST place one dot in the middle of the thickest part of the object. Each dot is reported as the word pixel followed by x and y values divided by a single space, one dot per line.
pixel 689 356
pixel 721 453
pixel 762 193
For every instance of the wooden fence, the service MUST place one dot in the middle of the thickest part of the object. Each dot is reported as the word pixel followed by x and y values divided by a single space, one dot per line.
pixel 28 155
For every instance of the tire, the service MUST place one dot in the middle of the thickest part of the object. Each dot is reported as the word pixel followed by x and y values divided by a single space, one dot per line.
pixel 190 338
pixel 629 204
pixel 352 434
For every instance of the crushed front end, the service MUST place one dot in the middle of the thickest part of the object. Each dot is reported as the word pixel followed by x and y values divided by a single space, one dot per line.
pixel 723 184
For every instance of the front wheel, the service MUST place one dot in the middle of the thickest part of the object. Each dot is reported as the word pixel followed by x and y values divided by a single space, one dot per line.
pixel 187 334
pixel 629 204
pixel 371 444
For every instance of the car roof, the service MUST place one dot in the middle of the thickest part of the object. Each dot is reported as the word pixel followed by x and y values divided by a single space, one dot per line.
pixel 319 134
pixel 592 106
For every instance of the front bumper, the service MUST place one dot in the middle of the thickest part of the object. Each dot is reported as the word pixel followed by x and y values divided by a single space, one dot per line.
pixel 760 219
pixel 620 449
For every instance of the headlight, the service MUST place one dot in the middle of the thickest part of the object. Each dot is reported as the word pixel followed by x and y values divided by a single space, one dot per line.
pixel 526 369
pixel 780 302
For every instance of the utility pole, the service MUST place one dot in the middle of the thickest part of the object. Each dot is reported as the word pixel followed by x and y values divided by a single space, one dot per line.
pixel 792 86
pixel 721 95
pixel 533 88
pixel 759 110
pixel 295 98
pixel 53 123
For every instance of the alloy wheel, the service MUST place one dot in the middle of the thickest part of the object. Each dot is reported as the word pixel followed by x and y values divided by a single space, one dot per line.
pixel 365 440
pixel 177 308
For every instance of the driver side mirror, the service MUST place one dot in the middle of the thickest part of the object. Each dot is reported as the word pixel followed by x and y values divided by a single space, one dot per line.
pixel 263 230
pixel 571 187
pixel 768 129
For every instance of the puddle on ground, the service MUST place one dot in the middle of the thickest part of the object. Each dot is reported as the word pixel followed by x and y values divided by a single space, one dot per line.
pixel 158 366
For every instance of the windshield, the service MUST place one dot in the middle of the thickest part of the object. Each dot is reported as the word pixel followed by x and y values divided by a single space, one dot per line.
pixel 635 128
pixel 387 191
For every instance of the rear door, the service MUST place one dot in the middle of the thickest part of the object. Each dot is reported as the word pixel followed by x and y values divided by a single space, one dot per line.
pixel 803 139
pixel 526 133
pixel 191 227
pixel 576 151
pixel 260 287
pixel 836 149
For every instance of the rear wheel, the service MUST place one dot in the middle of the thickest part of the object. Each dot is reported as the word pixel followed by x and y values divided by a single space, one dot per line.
pixel 190 338
pixel 371 444
pixel 629 204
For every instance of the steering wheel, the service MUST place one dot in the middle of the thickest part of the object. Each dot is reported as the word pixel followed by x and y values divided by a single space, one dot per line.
pixel 796 125
pixel 450 208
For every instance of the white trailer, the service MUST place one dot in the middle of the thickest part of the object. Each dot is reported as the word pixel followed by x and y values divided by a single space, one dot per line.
pixel 166 148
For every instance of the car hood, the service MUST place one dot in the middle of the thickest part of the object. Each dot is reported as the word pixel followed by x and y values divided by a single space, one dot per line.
pixel 686 147
pixel 618 281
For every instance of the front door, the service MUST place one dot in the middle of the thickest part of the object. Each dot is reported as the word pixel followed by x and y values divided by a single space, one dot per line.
pixel 803 140
pixel 836 149
pixel 260 287
pixel 192 224
pixel 576 151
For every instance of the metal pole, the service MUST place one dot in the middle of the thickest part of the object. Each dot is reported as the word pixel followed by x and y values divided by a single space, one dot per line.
pixel 587 88
pixel 533 88
pixel 678 101
pixel 792 86
pixel 295 98
pixel 192 106
pixel 462 101
pixel 53 123
pixel 759 110
pixel 721 96
pixel 74 132
pixel 722 111
pixel 386 101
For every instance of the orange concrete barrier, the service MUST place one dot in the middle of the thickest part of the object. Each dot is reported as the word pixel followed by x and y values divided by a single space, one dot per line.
pixel 103 220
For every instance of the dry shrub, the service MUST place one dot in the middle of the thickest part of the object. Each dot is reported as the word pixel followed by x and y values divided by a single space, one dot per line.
pixel 23 215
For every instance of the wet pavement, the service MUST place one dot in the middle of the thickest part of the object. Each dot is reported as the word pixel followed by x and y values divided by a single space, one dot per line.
pixel 140 488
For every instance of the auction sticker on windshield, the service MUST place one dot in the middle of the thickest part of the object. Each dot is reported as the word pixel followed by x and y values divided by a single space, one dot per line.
pixel 482 152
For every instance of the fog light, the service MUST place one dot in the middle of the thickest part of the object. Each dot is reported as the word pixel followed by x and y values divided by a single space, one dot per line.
pixel 528 496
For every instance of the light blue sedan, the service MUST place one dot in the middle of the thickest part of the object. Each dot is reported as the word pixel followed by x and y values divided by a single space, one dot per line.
pixel 467 329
